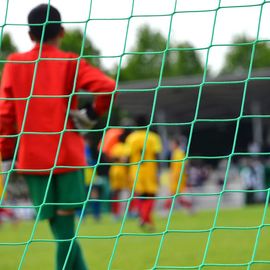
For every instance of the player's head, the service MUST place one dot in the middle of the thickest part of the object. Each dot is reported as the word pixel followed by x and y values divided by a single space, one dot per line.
pixel 53 28
pixel 174 142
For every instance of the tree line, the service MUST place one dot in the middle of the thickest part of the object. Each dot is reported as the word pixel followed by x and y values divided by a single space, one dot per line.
pixel 152 55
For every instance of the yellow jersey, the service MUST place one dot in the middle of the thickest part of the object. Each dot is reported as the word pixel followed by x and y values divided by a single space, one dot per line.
pixel 118 174
pixel 176 169
pixel 88 175
pixel 146 170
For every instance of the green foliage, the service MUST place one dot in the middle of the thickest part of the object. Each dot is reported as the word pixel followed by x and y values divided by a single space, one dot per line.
pixel 239 56
pixel 146 61
pixel 72 41
pixel 146 65
pixel 7 47
pixel 183 62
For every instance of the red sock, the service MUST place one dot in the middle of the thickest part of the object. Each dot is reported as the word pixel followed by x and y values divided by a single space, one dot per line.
pixel 115 205
pixel 185 202
pixel 146 209
pixel 7 212
pixel 168 204
pixel 134 205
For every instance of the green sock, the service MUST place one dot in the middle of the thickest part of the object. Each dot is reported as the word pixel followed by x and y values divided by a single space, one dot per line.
pixel 63 228
pixel 79 260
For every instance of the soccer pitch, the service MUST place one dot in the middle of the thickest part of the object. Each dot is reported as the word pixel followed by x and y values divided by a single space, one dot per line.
pixel 232 242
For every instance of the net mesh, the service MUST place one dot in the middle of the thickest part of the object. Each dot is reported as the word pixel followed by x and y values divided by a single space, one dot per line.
pixel 165 233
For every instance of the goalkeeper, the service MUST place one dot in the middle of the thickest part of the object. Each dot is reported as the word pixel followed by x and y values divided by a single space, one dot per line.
pixel 36 94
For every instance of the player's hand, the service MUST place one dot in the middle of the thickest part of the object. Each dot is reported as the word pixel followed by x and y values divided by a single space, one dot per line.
pixel 5 167
pixel 84 119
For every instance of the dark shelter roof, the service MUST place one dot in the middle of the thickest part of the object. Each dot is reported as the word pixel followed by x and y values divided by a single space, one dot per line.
pixel 176 101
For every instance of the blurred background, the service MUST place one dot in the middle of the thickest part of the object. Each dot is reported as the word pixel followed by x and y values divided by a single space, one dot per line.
pixel 198 71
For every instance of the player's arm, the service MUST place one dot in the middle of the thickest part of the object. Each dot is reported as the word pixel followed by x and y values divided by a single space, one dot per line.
pixel 157 146
pixel 7 116
pixel 93 80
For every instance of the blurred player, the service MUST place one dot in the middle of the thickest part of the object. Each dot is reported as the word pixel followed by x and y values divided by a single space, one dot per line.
pixel 145 174
pixel 35 106
pixel 94 205
pixel 178 175
pixel 1 178
pixel 5 213
pixel 118 174
pixel 1 188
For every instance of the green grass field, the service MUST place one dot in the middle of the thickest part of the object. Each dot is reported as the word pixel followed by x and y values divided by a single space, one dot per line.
pixel 232 242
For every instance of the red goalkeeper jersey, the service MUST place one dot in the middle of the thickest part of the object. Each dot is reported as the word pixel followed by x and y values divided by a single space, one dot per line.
pixel 34 96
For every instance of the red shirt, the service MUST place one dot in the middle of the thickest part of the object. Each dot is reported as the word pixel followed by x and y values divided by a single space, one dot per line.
pixel 37 117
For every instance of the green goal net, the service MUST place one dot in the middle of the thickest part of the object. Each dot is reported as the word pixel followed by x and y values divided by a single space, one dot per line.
pixel 219 111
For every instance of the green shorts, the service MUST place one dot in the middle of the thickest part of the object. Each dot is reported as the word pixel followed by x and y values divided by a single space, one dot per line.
pixel 66 191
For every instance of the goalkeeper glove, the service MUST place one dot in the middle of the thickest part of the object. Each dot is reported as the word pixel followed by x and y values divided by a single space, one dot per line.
pixel 85 118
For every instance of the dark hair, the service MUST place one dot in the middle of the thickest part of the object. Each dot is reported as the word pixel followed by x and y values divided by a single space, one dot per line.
pixel 124 135
pixel 141 120
pixel 38 15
